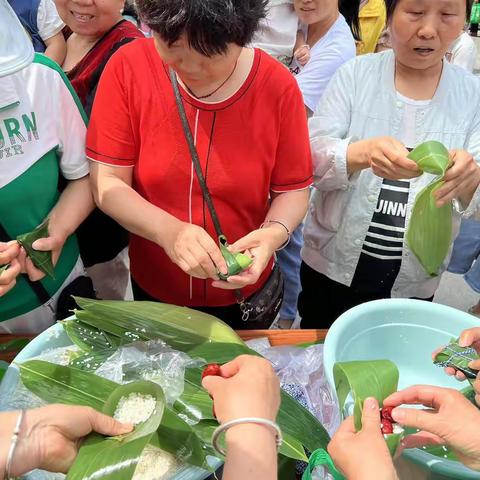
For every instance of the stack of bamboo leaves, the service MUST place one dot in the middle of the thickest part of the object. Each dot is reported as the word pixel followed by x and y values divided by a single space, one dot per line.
pixel 185 428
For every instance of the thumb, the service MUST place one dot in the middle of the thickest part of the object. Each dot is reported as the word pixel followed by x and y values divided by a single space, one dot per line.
pixel 248 241
pixel 106 425
pixel 44 244
pixel 415 418
pixel 469 336
pixel 371 415
pixel 213 384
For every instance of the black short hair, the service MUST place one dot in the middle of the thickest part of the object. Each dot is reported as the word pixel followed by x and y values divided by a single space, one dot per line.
pixel 350 9
pixel 392 4
pixel 209 25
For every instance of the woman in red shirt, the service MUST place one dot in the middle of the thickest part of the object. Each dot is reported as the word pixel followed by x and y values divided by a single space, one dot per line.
pixel 246 114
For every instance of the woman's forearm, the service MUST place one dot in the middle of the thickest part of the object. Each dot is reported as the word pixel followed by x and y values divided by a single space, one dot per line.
pixel 136 214
pixel 72 208
pixel 251 453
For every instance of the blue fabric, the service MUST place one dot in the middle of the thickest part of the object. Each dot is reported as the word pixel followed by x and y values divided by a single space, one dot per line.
pixel 289 260
pixel 466 251
pixel 27 11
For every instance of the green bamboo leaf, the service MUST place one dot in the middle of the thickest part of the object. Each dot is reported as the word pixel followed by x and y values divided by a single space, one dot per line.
pixel 2 269
pixel 14 345
pixel 453 355
pixel 41 260
pixel 89 338
pixel 3 369
pixel 142 387
pixel 178 438
pixel 194 404
pixel 116 458
pixel 180 327
pixel 236 262
pixel 219 352
pixel 292 448
pixel 363 379
pixel 286 468
pixel 60 384
pixel 431 157
pixel 429 233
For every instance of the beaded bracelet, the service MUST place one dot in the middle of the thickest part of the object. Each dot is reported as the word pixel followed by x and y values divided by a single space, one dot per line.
pixel 13 445
pixel 286 229
pixel 259 421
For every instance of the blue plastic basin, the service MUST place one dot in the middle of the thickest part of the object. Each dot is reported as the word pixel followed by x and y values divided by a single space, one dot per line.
pixel 55 337
pixel 405 332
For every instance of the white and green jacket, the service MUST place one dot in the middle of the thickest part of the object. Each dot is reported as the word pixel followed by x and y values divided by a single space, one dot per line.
pixel 42 133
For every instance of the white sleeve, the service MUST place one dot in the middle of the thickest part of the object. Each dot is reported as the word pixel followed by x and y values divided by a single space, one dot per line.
pixel 48 20
pixel 314 77
pixel 71 131
pixel 329 129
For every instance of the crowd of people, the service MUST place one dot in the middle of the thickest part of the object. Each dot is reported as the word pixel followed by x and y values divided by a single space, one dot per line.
pixel 150 137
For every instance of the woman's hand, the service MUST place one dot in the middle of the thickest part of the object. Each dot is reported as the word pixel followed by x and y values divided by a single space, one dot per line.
pixel 450 419
pixel 194 251
pixel 302 54
pixel 260 244
pixel 386 156
pixel 248 387
pixel 53 243
pixel 9 255
pixel 461 180
pixel 358 454
pixel 51 436
pixel 468 338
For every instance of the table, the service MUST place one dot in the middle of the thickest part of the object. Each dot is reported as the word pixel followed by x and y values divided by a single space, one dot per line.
pixel 276 337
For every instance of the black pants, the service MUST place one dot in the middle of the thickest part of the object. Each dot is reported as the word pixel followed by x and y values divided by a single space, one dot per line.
pixel 230 314
pixel 323 300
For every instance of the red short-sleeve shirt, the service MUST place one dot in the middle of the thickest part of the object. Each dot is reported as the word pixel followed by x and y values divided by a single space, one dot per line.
pixel 249 145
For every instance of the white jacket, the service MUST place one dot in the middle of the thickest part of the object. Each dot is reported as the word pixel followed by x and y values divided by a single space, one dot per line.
pixel 361 102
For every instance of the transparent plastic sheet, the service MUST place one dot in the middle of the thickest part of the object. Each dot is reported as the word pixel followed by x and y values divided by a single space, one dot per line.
pixel 153 361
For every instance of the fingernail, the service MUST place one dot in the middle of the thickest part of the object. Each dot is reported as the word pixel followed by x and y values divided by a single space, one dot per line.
pixel 398 415
pixel 371 403
pixel 463 342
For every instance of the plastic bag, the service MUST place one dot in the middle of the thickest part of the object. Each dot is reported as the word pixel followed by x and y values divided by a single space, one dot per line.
pixel 153 361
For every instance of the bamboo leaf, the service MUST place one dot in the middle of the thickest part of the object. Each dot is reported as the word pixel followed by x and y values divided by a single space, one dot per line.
pixel 429 233
pixel 14 345
pixel 180 327
pixel 178 438
pixel 89 338
pixel 60 384
pixel 41 260
pixel 453 355
pixel 2 269
pixel 145 388
pixel 3 369
pixel 363 379
pixel 292 448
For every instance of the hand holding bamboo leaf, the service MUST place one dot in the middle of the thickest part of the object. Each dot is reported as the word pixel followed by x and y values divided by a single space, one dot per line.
pixel 260 245
pixel 386 156
pixel 450 419
pixel 468 338
pixel 461 180
pixel 359 454
pixel 54 434
pixel 194 251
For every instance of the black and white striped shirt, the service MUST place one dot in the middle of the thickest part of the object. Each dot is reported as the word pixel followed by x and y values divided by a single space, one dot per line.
pixel 381 255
